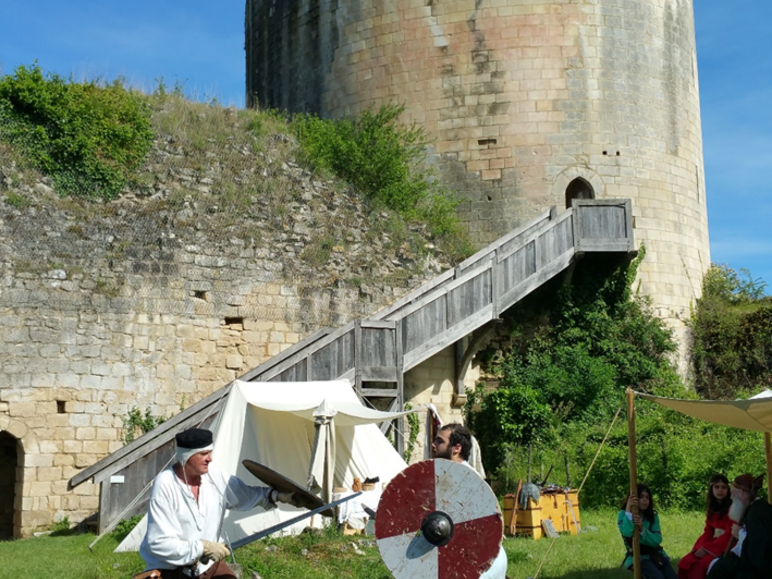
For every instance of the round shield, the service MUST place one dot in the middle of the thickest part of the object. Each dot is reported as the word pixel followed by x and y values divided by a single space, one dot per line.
pixel 281 483
pixel 438 518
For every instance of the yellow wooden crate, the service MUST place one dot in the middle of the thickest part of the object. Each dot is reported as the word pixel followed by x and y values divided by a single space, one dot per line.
pixel 552 506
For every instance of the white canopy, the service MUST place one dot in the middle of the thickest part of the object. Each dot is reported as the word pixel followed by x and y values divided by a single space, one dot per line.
pixel 317 432
pixel 752 414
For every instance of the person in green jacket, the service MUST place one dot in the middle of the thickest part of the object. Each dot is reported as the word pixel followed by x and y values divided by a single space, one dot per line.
pixel 655 564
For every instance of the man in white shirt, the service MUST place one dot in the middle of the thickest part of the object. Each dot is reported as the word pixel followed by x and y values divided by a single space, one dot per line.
pixel 454 442
pixel 186 511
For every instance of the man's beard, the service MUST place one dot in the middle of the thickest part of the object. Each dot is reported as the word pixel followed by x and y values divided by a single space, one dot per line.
pixel 447 454
pixel 737 510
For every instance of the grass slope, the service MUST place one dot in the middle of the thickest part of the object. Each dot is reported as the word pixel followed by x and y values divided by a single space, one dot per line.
pixel 595 553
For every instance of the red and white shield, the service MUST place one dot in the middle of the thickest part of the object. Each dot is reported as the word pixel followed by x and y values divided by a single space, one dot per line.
pixel 438 518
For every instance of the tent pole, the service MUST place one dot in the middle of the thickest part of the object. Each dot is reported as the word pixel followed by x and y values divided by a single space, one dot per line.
pixel 768 447
pixel 633 479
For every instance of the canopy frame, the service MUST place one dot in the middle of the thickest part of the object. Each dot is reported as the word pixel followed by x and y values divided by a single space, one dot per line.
pixel 760 425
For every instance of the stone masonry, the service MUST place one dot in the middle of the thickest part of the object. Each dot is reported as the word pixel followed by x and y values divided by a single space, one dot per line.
pixel 529 103
pixel 433 382
pixel 122 309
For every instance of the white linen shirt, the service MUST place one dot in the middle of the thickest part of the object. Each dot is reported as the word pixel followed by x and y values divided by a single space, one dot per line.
pixel 176 523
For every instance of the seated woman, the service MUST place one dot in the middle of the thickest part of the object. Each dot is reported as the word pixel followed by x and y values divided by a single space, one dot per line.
pixel 717 534
pixel 655 564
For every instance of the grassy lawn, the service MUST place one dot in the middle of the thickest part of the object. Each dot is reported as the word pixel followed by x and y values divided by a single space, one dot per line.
pixel 595 553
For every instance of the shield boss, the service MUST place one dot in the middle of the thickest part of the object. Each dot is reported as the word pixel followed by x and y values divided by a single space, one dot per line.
pixel 438 518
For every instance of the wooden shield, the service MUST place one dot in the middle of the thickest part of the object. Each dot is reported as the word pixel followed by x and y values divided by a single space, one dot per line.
pixel 281 483
pixel 438 518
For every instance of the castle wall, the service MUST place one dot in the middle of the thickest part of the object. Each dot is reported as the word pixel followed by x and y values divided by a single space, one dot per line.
pixel 520 98
pixel 433 382
pixel 71 375
pixel 123 310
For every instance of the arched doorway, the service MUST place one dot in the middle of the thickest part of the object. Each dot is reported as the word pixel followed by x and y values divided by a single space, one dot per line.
pixel 9 467
pixel 578 189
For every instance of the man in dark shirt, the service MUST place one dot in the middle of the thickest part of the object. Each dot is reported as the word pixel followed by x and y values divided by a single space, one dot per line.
pixel 752 556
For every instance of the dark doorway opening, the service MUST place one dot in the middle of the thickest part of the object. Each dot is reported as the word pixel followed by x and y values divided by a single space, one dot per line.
pixel 9 466
pixel 578 189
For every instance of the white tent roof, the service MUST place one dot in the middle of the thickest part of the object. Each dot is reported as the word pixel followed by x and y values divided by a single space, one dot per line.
pixel 273 423
pixel 752 414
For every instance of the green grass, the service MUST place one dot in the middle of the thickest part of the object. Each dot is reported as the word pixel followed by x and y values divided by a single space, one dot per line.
pixel 598 553
pixel 50 557
pixel 593 554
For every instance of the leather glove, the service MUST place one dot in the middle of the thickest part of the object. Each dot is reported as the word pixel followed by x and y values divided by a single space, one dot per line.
pixel 288 498
pixel 214 551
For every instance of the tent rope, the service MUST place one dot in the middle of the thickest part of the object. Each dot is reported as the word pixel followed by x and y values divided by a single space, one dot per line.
pixel 393 424
pixel 115 521
pixel 580 486
pixel 599 449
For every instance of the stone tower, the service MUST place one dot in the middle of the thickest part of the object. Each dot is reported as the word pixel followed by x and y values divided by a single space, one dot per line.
pixel 529 103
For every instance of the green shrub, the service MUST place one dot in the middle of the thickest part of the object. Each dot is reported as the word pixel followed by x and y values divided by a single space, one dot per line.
pixel 88 137
pixel 732 330
pixel 136 424
pixel 318 251
pixel 574 351
pixel 125 526
pixel 597 341
pixel 676 456
pixel 723 282
pixel 17 200
pixel 61 527
pixel 384 159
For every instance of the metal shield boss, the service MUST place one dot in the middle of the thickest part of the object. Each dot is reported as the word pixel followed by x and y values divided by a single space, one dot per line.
pixel 438 518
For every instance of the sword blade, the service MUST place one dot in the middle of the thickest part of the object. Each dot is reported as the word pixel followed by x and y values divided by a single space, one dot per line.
pixel 292 521
pixel 228 542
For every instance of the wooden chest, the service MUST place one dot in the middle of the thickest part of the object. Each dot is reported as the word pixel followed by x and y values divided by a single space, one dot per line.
pixel 559 507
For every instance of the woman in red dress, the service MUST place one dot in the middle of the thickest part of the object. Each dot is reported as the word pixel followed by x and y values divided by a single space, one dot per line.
pixel 717 534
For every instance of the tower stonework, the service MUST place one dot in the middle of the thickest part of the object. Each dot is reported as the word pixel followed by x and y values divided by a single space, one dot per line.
pixel 528 103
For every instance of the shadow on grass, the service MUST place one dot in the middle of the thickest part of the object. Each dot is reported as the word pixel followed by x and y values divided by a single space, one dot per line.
pixel 66 532
pixel 615 573
pixel 612 573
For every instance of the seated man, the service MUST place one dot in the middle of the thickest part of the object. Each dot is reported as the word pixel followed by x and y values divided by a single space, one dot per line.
pixel 187 508
pixel 454 442
pixel 751 558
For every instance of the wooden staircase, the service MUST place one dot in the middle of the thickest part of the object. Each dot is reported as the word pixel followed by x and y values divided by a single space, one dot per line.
pixel 374 353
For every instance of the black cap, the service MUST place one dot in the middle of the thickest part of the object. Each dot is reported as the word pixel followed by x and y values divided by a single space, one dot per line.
pixel 194 438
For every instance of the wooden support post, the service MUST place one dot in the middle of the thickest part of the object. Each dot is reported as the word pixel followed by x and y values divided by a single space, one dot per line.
pixel 104 504
pixel 633 479
pixel 515 508
pixel 768 448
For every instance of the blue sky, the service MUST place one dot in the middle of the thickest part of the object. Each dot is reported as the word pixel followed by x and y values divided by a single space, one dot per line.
pixel 200 45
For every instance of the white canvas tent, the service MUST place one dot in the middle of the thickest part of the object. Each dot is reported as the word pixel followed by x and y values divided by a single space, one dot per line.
pixel 317 431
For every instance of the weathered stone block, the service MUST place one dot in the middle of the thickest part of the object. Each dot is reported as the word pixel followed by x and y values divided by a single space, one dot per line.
pixel 22 409
pixel 49 474
pixel 38 489
pixel 80 419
